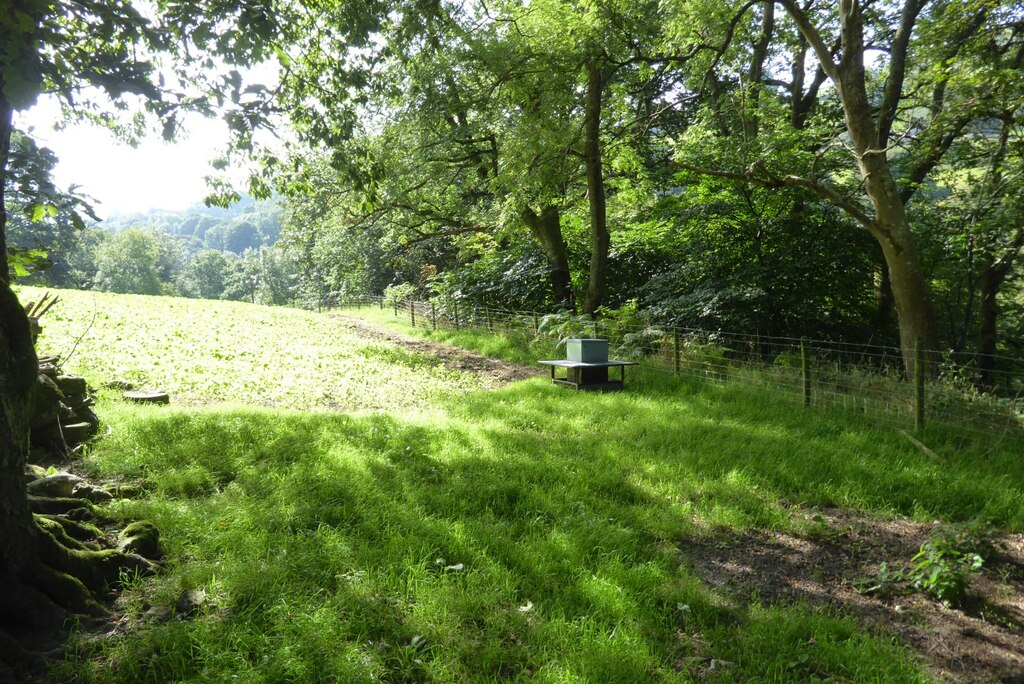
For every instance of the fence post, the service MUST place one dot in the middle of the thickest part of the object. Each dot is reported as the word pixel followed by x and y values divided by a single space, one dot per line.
pixel 918 385
pixel 675 349
pixel 536 324
pixel 381 302
pixel 490 324
pixel 396 308
pixel 433 315
pixel 805 370
pixel 456 314
pixel 412 311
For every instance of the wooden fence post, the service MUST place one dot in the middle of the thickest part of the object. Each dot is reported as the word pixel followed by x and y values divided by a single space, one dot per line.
pixel 412 311
pixel 805 371
pixel 918 385
pixel 433 315
pixel 536 324
pixel 490 324
pixel 456 314
pixel 675 349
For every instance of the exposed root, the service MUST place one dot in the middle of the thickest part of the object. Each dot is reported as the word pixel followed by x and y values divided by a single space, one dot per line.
pixel 15 656
pixel 39 621
pixel 97 570
pixel 60 505
pixel 73 571
pixel 65 590
pixel 60 534
pixel 80 531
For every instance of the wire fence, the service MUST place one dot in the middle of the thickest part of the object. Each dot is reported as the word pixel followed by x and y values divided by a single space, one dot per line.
pixel 966 392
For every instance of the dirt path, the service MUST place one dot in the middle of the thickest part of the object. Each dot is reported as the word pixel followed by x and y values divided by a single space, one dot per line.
pixel 831 568
pixel 495 371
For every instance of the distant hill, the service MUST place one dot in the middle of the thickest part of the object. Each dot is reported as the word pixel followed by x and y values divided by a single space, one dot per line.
pixel 247 224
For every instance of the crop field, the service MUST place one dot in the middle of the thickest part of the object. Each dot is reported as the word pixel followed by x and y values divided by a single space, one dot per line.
pixel 439 529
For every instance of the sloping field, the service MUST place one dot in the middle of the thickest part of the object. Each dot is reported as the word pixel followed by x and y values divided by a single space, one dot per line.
pixel 673 532
pixel 205 352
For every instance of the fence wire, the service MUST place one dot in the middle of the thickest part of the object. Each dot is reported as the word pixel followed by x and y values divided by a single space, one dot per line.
pixel 961 391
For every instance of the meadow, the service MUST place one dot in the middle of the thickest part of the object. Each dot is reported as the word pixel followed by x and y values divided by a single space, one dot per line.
pixel 203 352
pixel 435 529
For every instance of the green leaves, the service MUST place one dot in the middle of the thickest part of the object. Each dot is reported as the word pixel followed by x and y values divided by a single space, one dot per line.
pixel 41 211
pixel 24 262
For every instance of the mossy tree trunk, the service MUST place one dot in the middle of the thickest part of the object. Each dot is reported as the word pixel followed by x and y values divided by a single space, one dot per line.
pixel 18 368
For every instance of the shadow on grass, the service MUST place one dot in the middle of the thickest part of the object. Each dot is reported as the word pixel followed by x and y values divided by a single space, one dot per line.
pixel 523 533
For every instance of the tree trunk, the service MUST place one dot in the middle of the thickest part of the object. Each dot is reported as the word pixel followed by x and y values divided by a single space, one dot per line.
pixel 755 73
pixel 18 370
pixel 547 228
pixel 883 296
pixel 891 227
pixel 993 275
pixel 988 316
pixel 599 238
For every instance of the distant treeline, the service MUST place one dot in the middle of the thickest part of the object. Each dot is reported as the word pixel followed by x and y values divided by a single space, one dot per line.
pixel 205 252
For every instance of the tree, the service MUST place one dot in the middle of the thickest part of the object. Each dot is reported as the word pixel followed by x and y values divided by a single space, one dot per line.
pixel 206 275
pixel 129 262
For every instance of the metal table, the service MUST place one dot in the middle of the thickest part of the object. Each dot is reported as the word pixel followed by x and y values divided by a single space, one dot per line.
pixel 589 376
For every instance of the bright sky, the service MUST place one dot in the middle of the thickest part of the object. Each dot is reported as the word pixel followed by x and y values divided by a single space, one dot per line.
pixel 123 179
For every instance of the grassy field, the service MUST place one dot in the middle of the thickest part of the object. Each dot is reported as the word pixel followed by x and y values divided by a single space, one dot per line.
pixel 229 352
pixel 471 535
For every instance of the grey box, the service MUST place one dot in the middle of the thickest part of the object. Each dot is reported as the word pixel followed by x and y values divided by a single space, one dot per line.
pixel 587 350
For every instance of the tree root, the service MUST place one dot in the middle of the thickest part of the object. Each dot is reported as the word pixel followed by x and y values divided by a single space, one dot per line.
pixel 79 531
pixel 72 572
pixel 97 570
pixel 60 505
pixel 36 638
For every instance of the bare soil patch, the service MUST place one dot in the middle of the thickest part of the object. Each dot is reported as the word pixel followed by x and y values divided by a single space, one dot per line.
pixel 982 641
pixel 495 371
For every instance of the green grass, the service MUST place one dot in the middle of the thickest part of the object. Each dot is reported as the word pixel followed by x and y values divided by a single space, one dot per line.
pixel 523 533
pixel 231 352
pixel 516 346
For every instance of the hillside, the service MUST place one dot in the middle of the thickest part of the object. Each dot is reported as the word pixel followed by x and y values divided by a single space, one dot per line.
pixel 247 224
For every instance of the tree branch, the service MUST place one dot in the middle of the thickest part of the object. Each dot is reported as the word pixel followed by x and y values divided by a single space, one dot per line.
pixel 806 28
pixel 897 69
pixel 770 181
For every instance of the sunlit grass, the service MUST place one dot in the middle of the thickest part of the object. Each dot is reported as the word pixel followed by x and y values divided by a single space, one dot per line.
pixel 527 532
pixel 215 351
pixel 524 533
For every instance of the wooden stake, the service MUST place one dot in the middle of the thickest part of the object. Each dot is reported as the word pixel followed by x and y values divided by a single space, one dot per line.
pixel 675 346
pixel 805 368
pixel 918 386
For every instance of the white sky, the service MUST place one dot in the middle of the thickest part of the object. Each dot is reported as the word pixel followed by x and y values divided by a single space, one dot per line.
pixel 123 179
